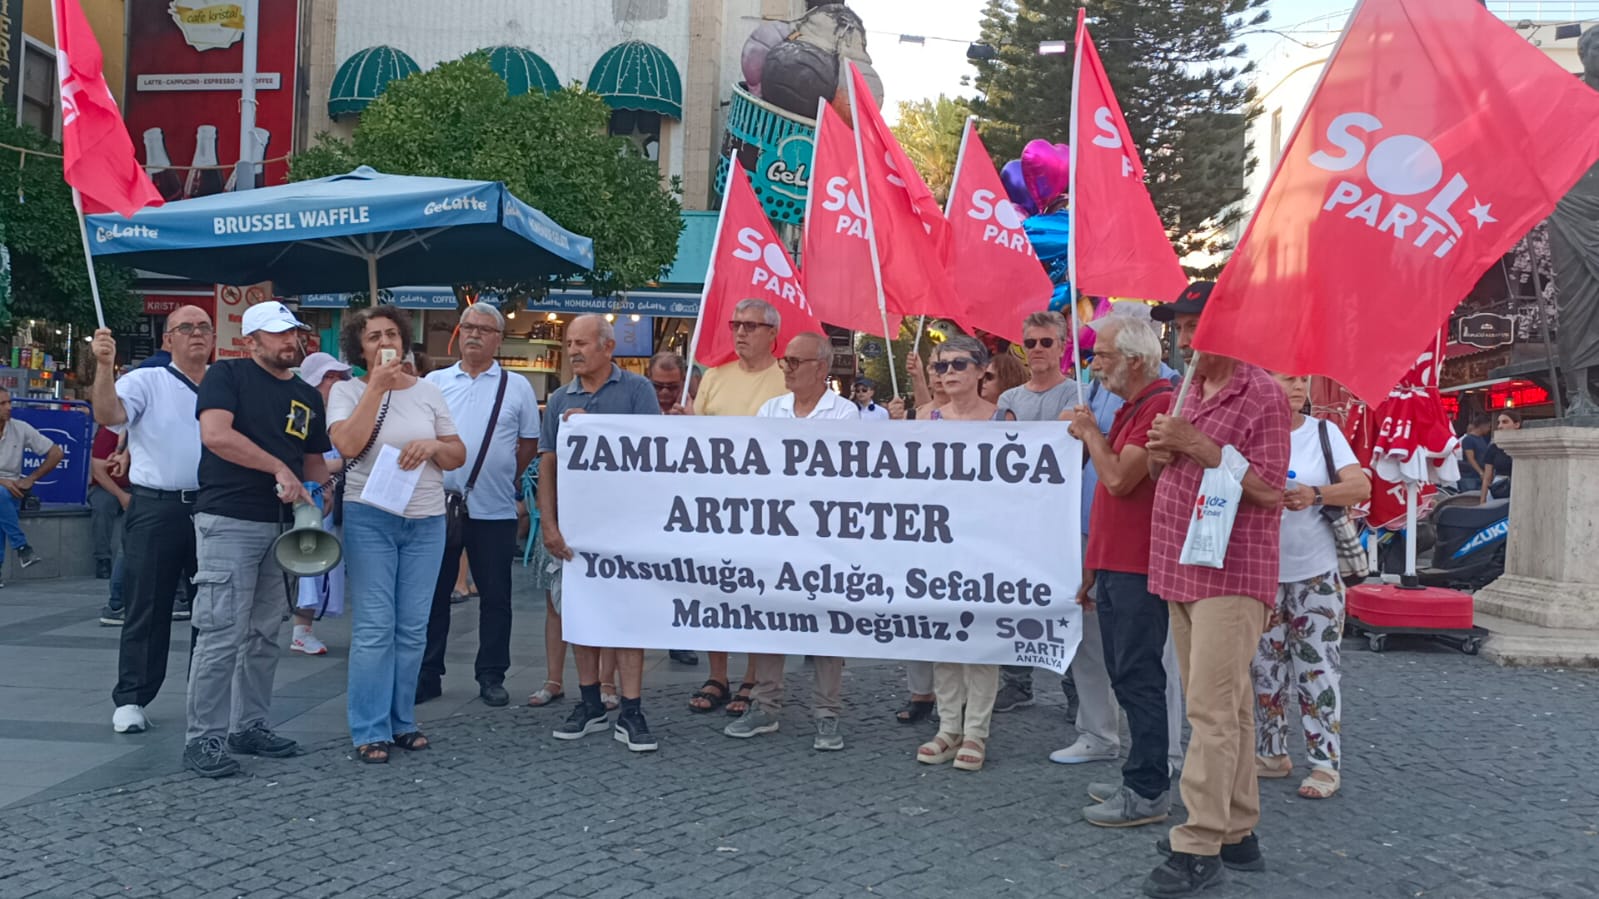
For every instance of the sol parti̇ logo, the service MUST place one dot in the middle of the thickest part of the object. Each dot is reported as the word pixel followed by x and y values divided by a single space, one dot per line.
pixel 1399 165
pixel 772 272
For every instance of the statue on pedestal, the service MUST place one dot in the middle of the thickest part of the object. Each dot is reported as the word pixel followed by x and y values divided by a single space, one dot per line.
pixel 1574 239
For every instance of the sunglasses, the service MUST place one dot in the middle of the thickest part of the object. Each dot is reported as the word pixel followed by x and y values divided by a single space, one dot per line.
pixel 188 328
pixel 1045 342
pixel 662 387
pixel 956 364
pixel 789 363
pixel 743 327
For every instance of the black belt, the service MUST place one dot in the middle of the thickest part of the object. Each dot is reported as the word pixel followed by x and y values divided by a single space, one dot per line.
pixel 187 497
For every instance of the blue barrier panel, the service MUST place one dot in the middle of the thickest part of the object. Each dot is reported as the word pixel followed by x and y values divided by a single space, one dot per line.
pixel 70 425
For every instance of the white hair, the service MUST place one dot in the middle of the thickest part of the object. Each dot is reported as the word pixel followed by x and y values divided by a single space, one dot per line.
pixel 769 313
pixel 1132 338
pixel 487 310
pixel 607 331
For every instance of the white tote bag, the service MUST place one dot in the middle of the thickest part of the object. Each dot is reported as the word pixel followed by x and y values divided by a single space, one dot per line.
pixel 1220 491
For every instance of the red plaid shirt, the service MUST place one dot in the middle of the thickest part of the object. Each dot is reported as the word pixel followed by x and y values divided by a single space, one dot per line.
pixel 1250 414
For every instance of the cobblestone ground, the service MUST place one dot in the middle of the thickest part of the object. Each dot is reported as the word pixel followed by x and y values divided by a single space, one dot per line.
pixel 1461 779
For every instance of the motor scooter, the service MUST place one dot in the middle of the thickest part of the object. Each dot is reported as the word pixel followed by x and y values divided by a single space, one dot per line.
pixel 1460 545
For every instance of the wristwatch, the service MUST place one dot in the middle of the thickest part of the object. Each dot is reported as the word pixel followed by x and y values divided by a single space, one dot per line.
pixel 1317 500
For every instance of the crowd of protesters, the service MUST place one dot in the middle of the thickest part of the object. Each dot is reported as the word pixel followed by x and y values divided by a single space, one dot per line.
pixel 217 455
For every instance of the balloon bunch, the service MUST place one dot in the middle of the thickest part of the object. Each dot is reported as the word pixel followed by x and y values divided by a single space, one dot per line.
pixel 1037 184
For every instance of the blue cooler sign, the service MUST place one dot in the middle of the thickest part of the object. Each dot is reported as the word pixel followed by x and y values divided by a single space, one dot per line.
pixel 69 425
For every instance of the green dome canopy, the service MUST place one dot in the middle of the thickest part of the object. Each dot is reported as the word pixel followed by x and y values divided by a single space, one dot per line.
pixel 364 76
pixel 523 70
pixel 637 75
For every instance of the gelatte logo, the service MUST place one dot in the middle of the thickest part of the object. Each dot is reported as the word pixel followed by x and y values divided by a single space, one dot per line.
pixel 456 204
pixel 1400 194
pixel 126 232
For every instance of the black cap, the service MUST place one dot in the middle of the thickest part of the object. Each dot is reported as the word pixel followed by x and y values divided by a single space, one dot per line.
pixel 1190 302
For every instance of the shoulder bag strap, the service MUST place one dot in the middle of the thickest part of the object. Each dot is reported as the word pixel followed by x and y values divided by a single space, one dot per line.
pixel 1131 413
pixel 1326 451
pixel 488 433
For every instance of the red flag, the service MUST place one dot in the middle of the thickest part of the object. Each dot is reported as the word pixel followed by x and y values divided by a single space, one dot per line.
pixel 1437 137
pixel 99 161
pixel 747 262
pixel 1407 437
pixel 1121 248
pixel 836 253
pixel 996 272
pixel 912 235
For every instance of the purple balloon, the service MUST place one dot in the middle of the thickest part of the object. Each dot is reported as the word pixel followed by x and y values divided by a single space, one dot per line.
pixel 1046 170
pixel 1016 187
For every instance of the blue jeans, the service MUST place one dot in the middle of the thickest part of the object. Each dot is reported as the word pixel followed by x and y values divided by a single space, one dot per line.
pixel 10 523
pixel 391 564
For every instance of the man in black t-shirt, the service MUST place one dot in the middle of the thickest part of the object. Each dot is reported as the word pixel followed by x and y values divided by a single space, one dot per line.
pixel 263 432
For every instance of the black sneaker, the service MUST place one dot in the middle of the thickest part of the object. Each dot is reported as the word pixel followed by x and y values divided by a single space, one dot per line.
pixel 206 758
pixel 26 557
pixel 1243 855
pixel 1183 875
pixel 102 569
pixel 260 741
pixel 113 617
pixel 632 730
pixel 182 610
pixel 493 694
pixel 1011 697
pixel 583 721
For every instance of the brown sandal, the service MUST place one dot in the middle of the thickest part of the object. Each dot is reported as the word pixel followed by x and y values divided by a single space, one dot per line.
pixel 373 753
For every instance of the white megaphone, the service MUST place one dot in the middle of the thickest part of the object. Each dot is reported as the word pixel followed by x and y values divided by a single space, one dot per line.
pixel 306 550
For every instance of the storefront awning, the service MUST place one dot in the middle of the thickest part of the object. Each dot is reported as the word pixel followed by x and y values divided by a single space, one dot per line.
pixel 671 304
pixel 428 298
pixel 637 75
pixel 364 76
pixel 523 70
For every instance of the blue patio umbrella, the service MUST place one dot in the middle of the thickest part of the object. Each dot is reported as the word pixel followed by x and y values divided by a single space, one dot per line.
pixel 362 230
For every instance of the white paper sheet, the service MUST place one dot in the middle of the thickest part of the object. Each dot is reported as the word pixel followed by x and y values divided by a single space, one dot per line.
pixel 388 486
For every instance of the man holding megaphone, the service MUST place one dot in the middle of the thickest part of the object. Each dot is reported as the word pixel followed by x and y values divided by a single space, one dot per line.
pixel 263 432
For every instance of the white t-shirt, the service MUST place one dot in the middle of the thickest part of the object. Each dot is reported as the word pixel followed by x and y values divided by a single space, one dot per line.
pixel 830 406
pixel 163 430
pixel 416 413
pixel 1307 541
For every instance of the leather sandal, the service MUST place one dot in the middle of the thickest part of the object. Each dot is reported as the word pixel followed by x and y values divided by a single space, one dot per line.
pixel 415 741
pixel 543 696
pixel 713 701
pixel 373 753
pixel 914 711
pixel 1273 767
pixel 972 754
pixel 742 698
pixel 940 749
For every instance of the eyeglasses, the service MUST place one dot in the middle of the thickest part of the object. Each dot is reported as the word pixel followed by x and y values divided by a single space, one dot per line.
pixel 479 329
pixel 743 327
pixel 190 328
pixel 956 364
pixel 1045 342
pixel 790 364
pixel 664 387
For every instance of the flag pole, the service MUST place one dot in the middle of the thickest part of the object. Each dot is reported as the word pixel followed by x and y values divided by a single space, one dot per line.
pixel 710 278
pixel 871 232
pixel 1074 293
pixel 77 198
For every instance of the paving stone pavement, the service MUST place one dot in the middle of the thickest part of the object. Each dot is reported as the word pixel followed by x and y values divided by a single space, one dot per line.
pixel 1461 780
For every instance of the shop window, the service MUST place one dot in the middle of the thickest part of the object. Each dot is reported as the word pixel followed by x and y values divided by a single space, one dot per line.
pixel 41 107
pixel 641 128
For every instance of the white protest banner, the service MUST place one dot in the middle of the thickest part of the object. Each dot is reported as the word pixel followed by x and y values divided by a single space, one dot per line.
pixel 940 541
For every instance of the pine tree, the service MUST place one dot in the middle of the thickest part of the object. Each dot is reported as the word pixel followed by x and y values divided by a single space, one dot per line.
pixel 1177 69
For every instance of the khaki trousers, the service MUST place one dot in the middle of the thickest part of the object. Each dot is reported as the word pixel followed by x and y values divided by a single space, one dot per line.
pixel 1216 641
pixel 965 698
pixel 826 701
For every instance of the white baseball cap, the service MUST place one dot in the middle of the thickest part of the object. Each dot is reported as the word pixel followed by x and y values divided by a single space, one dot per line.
pixel 271 317
pixel 316 367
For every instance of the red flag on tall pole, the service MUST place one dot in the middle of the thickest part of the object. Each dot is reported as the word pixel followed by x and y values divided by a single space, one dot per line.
pixel 1436 138
pixel 996 273
pixel 99 161
pixel 836 254
pixel 1121 248
pixel 747 262
pixel 905 221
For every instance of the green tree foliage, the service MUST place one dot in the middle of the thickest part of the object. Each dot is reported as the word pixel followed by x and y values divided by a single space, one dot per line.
pixel 459 121
pixel 49 280
pixel 1177 70
pixel 930 132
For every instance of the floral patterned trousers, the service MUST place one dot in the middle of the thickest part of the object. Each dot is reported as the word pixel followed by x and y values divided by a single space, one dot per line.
pixel 1300 650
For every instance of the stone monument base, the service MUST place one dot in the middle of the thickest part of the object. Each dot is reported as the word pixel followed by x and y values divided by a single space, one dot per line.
pixel 1551 580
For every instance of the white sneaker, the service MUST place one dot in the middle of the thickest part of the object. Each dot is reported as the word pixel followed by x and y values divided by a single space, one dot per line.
pixel 129 719
pixel 306 642
pixel 1084 750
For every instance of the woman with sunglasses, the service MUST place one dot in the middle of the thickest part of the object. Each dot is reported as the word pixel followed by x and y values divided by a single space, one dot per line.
pixel 965 692
pixel 1004 372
